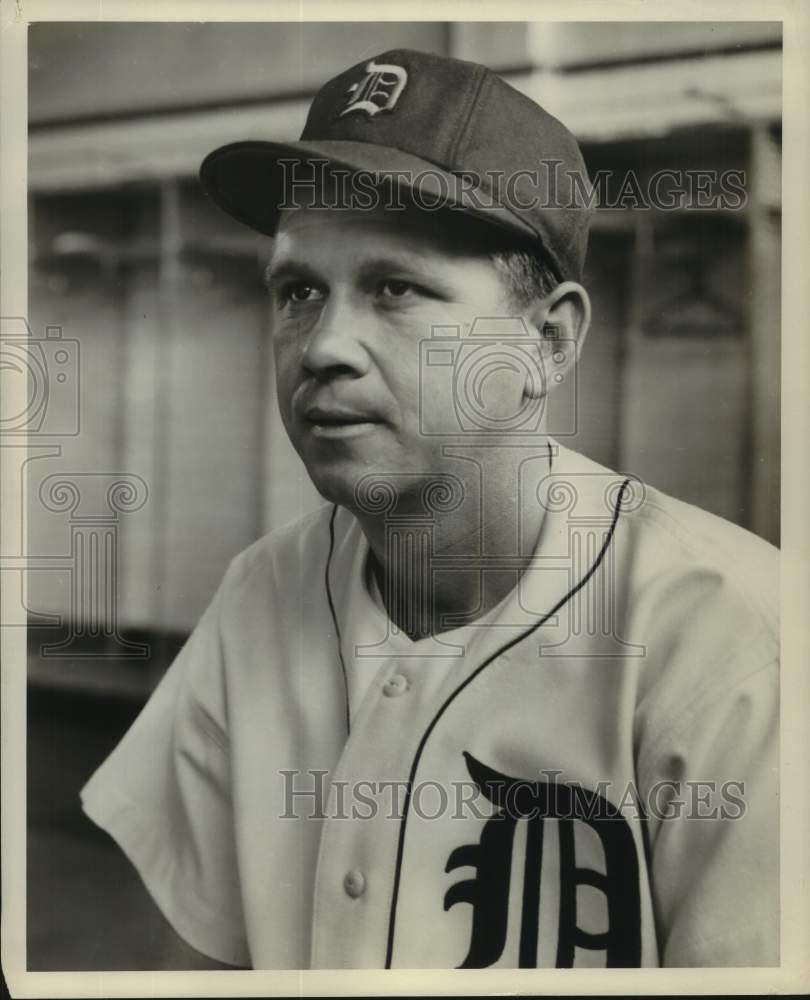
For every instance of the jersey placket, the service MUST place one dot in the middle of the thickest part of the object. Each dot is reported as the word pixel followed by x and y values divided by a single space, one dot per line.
pixel 358 852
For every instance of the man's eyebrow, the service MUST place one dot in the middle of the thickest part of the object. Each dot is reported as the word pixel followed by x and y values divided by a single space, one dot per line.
pixel 409 265
pixel 424 272
pixel 276 270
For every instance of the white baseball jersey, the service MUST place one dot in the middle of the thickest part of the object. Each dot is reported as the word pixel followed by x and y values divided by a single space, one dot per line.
pixel 585 777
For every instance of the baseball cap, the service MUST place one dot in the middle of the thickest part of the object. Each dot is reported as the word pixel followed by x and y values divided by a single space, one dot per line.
pixel 447 129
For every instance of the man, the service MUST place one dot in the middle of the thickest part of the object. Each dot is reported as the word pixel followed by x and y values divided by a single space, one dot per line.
pixel 493 704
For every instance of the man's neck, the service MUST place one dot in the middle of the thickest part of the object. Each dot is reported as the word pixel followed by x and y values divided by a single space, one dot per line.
pixel 439 570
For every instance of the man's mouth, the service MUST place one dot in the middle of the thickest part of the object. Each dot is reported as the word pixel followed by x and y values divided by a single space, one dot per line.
pixel 336 422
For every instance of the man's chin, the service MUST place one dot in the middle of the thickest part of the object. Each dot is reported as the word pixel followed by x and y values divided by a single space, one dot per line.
pixel 338 483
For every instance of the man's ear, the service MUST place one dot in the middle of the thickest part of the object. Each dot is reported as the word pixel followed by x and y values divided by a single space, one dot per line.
pixel 562 320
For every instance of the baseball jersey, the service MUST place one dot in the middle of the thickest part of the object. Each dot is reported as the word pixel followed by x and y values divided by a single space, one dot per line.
pixel 586 776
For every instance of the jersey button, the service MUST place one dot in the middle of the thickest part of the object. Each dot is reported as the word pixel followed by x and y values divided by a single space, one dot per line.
pixel 396 685
pixel 354 883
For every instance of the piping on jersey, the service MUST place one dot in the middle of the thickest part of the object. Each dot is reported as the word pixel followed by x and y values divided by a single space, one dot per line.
pixel 334 616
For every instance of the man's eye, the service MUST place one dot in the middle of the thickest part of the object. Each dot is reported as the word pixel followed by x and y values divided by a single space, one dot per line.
pixel 298 291
pixel 392 288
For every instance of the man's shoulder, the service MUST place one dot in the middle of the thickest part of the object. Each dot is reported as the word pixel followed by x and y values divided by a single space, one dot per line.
pixel 300 545
pixel 711 549
pixel 699 532
pixel 665 541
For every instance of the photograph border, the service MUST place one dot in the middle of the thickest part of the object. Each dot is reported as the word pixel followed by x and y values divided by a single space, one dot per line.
pixel 794 973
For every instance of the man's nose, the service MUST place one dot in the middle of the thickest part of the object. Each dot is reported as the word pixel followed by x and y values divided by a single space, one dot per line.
pixel 334 345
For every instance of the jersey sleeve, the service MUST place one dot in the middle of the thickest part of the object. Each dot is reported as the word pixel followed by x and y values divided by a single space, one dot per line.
pixel 711 787
pixel 164 796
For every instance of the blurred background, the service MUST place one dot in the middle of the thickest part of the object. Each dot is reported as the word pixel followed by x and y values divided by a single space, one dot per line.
pixel 151 301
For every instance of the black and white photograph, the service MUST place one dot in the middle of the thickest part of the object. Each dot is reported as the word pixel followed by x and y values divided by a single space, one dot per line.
pixel 393 535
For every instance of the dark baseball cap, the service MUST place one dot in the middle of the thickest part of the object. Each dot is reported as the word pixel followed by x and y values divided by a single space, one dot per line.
pixel 448 130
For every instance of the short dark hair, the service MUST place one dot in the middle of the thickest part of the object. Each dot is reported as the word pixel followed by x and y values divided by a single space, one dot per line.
pixel 528 275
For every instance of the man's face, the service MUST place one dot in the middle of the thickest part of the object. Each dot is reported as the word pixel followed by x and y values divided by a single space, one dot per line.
pixel 352 295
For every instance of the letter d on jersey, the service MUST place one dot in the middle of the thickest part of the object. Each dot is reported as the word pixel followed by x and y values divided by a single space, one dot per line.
pixel 488 891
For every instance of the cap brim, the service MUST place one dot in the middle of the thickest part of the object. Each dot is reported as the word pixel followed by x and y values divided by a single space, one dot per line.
pixel 247 180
